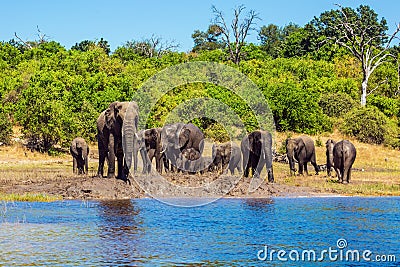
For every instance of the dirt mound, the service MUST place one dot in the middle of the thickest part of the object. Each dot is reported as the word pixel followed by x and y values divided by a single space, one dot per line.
pixel 168 185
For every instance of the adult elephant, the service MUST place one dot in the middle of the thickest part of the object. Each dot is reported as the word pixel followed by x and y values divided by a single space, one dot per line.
pixel 116 128
pixel 257 151
pixel 149 143
pixel 344 154
pixel 79 150
pixel 302 150
pixel 170 145
pixel 226 155
pixel 191 136
pixel 177 137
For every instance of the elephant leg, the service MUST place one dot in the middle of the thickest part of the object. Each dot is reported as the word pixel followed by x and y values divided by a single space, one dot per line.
pixel 270 172
pixel 111 158
pixel 345 175
pixel 143 155
pixel 305 168
pixel 339 175
pixel 102 158
pixel 120 161
pixel 159 162
pixel 246 171
pixel 151 154
pixel 316 167
pixel 86 165
pixel 74 163
pixel 166 163
pixel 239 166
pixel 348 174
pixel 301 168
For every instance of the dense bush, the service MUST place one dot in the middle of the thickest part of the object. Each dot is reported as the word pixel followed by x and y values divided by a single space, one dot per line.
pixel 56 94
pixel 295 109
pixel 336 104
pixel 392 134
pixel 5 128
pixel 366 124
pixel 389 106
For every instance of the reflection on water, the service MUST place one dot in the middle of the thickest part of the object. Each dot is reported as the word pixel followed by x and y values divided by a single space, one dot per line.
pixel 228 232
pixel 119 229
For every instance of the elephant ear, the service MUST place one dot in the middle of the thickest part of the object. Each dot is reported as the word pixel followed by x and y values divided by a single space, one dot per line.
pixel 300 146
pixel 186 133
pixel 110 115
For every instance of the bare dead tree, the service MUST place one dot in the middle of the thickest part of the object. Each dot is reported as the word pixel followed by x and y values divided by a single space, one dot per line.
pixel 234 36
pixel 43 38
pixel 355 38
pixel 24 43
pixel 154 46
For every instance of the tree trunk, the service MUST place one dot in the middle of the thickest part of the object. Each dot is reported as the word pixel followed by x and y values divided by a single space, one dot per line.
pixel 364 87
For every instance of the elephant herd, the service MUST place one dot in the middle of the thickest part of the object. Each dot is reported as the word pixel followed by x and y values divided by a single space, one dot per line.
pixel 178 147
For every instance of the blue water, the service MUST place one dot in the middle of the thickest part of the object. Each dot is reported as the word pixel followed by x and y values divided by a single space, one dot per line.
pixel 228 232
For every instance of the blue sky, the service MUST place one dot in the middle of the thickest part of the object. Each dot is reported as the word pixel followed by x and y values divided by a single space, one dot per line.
pixel 118 21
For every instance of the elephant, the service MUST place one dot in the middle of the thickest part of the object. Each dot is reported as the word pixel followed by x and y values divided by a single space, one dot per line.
pixel 116 128
pixel 302 150
pixel 170 145
pixel 149 144
pixel 79 150
pixel 177 137
pixel 257 151
pixel 191 136
pixel 191 161
pixel 226 155
pixel 329 156
pixel 344 154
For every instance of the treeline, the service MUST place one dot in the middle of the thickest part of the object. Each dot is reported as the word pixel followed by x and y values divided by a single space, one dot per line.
pixel 53 94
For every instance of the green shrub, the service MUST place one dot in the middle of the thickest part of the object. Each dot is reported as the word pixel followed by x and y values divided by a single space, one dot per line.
pixel 336 104
pixel 392 134
pixel 296 109
pixel 366 124
pixel 217 133
pixel 389 106
pixel 5 128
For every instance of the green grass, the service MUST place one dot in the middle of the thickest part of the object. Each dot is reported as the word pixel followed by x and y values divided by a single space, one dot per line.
pixel 29 197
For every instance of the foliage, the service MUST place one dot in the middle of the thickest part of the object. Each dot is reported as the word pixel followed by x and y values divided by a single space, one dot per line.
pixel 389 106
pixel 296 109
pixel 88 44
pixel 5 128
pixel 217 133
pixel 336 104
pixel 366 124
pixel 209 40
pixel 392 134
pixel 56 94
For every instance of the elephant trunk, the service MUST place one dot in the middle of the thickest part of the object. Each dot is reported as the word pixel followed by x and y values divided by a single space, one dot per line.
pixel 128 135
pixel 291 161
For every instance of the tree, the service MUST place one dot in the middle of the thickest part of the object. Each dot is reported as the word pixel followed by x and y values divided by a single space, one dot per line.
pixel 152 47
pixel 209 40
pixel 86 45
pixel 238 28
pixel 276 41
pixel 362 35
pixel 271 38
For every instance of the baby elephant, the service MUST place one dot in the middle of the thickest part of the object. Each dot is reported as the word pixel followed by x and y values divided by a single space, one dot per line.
pixel 191 161
pixel 79 151
pixel 226 156
pixel 340 156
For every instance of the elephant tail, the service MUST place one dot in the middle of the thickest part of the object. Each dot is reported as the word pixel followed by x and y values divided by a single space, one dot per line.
pixel 343 158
